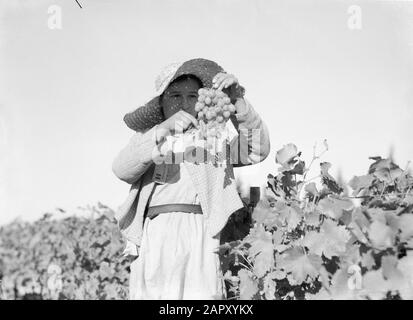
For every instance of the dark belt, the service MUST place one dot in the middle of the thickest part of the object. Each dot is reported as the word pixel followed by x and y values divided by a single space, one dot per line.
pixel 153 211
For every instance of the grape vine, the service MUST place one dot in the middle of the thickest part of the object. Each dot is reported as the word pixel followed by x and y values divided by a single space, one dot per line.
pixel 312 238
pixel 314 241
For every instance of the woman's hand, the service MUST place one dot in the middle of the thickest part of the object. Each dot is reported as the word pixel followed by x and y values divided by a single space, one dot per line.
pixel 223 81
pixel 177 123
pixel 229 84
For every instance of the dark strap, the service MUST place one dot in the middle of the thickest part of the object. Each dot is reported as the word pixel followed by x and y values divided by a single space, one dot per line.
pixel 153 211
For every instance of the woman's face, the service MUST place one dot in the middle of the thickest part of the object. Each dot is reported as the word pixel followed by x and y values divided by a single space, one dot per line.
pixel 181 94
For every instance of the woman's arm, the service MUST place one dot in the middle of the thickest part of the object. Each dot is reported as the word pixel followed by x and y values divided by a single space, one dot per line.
pixel 253 143
pixel 136 157
pixel 145 148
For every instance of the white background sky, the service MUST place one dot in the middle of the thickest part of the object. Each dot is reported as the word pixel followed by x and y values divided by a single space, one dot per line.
pixel 63 93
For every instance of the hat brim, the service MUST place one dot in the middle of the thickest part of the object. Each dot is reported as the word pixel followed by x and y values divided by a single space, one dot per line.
pixel 145 117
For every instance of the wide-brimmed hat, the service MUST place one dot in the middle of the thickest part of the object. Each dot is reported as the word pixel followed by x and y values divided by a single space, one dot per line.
pixel 145 117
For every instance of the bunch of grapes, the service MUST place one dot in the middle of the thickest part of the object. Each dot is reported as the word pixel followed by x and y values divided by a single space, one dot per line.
pixel 214 108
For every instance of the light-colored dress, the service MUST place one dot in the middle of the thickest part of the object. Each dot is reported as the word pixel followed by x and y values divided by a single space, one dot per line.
pixel 176 258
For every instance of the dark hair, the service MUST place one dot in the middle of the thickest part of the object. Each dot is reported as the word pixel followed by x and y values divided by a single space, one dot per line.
pixel 188 76
pixel 184 76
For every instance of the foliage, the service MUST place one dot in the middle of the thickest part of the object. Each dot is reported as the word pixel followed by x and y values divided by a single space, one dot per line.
pixel 308 241
pixel 314 241
pixel 71 258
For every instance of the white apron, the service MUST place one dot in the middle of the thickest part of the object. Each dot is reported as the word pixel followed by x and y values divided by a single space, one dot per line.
pixel 176 259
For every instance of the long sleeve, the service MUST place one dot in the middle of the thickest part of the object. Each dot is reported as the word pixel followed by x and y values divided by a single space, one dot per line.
pixel 136 157
pixel 253 144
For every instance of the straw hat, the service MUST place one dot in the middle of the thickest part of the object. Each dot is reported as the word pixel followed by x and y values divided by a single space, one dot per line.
pixel 145 117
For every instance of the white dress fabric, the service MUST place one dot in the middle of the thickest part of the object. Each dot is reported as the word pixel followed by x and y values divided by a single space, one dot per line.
pixel 177 258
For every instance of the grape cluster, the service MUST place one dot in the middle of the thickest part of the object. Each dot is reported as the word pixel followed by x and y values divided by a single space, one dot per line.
pixel 214 108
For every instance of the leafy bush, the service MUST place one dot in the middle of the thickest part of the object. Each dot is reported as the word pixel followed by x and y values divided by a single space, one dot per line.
pixel 307 241
pixel 312 242
pixel 71 258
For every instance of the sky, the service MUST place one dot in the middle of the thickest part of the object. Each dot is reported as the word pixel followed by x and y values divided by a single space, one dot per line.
pixel 308 73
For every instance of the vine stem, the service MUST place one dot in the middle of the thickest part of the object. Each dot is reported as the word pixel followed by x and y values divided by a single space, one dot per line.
pixel 247 262
pixel 246 267
pixel 377 196
pixel 405 194
pixel 382 191
pixel 309 166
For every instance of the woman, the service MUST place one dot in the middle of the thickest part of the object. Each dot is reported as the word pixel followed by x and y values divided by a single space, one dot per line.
pixel 175 212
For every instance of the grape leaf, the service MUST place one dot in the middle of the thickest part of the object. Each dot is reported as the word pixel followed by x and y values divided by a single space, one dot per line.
pixel 351 255
pixel 327 179
pixel 312 218
pixel 406 226
pixel 330 241
pixel 266 215
pixel 408 199
pixel 355 229
pixel 291 216
pixel 385 170
pixel 311 189
pixel 260 241
pixel 261 250
pixel 340 289
pixel 277 238
pixel 285 155
pixel 299 168
pixel 367 260
pixel 247 286
pixel 405 265
pixel 105 270
pixel 374 285
pixel 333 207
pixel 358 183
pixel 300 264
pixel 278 274
pixel 393 275
pixel 111 291
pixel 269 287
pixel 380 235
pixel 360 219
pixel 263 262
